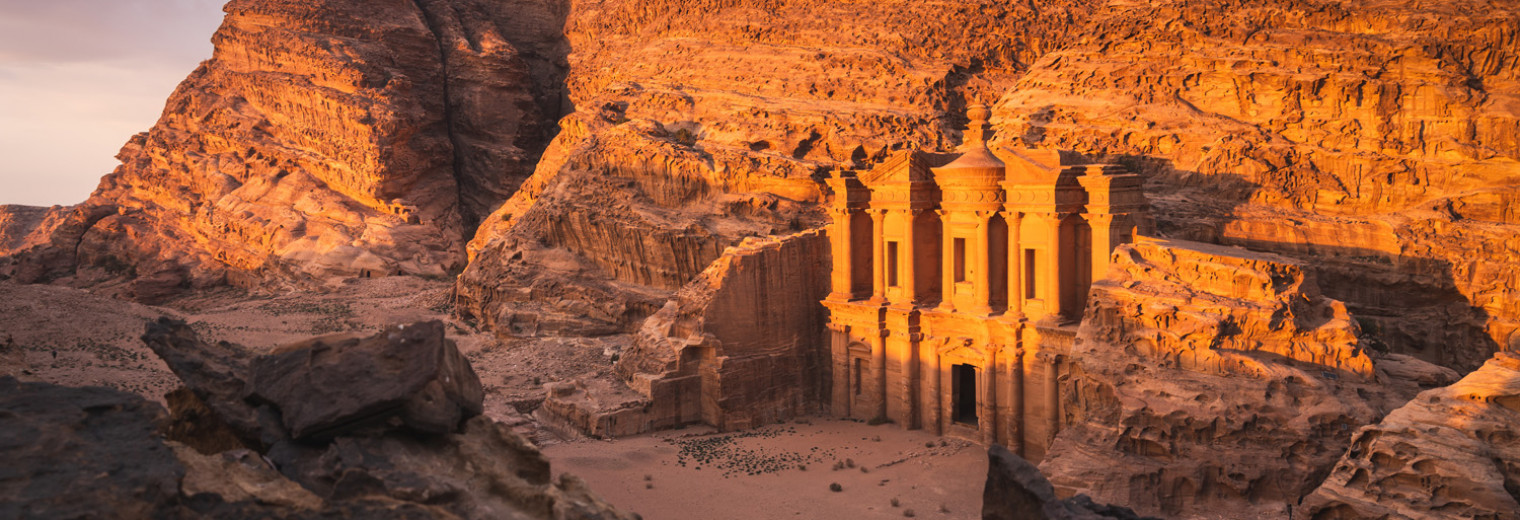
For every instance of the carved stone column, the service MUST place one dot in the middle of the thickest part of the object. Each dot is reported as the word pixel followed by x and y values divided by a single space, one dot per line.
pixel 908 276
pixel 1016 281
pixel 982 304
pixel 1102 225
pixel 1054 281
pixel 878 266
pixel 840 276
pixel 947 264
pixel 988 412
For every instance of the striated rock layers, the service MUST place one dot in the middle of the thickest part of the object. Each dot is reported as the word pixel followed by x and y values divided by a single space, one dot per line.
pixel 1381 140
pixel 1211 380
pixel 700 123
pixel 741 346
pixel 324 138
pixel 1450 453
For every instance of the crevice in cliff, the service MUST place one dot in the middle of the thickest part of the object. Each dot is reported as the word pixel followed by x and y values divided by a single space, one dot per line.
pixel 468 220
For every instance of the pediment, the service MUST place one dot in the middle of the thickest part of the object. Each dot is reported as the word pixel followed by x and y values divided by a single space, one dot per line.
pixel 903 167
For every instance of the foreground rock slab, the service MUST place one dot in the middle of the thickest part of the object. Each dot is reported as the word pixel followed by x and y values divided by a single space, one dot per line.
pixel 1450 453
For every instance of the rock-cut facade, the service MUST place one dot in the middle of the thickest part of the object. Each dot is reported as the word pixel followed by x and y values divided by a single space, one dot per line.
pixel 958 281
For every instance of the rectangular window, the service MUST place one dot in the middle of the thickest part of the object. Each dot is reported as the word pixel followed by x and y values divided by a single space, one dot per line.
pixel 892 264
pixel 960 260
pixel 1031 281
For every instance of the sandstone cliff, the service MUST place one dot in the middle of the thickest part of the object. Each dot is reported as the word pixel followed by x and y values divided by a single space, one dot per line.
pixel 1450 452
pixel 322 138
pixel 1209 380
pixel 1381 139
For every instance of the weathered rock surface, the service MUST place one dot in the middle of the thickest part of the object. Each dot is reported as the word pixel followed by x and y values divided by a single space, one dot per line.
pixel 1016 490
pixel 411 373
pixel 331 138
pixel 701 123
pixel 741 346
pixel 1378 139
pixel 1211 380
pixel 1450 453
pixel 1218 310
pixel 397 432
pixel 82 452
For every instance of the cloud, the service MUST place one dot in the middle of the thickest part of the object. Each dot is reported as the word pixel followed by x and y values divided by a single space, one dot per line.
pixel 80 77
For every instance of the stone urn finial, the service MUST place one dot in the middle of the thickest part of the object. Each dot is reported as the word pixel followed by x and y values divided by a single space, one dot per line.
pixel 979 129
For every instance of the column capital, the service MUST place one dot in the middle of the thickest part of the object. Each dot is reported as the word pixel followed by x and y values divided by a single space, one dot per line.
pixel 1012 215
pixel 877 213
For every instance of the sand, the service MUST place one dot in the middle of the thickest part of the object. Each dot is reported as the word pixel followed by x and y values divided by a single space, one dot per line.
pixel 698 474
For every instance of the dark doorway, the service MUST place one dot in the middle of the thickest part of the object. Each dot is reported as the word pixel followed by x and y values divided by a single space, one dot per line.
pixel 963 394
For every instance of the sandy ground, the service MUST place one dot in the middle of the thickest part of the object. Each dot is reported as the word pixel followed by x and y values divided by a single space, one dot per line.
pixel 758 474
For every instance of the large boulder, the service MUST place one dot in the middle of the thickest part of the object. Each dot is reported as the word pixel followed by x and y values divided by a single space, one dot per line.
pixel 410 373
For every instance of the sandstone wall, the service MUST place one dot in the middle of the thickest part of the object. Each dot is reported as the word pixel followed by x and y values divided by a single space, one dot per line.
pixel 742 345
pixel 1390 129
pixel 1214 381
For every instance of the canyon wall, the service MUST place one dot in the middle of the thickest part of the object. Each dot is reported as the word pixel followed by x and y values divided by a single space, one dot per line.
pixel 332 138
pixel 698 124
pixel 1381 140
pixel 1212 380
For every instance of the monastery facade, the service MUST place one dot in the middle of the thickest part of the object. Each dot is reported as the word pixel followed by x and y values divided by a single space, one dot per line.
pixel 958 281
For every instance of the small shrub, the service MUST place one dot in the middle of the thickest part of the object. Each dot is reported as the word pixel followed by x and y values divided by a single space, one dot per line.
pixel 909 513
pixel 943 509
pixel 850 463
pixel 835 487
pixel 896 503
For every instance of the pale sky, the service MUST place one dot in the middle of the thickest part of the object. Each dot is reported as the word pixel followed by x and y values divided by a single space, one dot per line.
pixel 80 77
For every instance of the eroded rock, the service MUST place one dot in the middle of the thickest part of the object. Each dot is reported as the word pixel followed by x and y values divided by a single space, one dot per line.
pixel 1016 490
pixel 1450 453
pixel 410 373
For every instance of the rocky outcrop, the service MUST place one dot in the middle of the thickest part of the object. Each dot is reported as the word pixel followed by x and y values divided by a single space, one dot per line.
pixel 1016 490
pixel 1209 380
pixel 1220 310
pixel 741 346
pixel 1376 140
pixel 398 432
pixel 82 452
pixel 430 387
pixel 332 138
pixel 1450 453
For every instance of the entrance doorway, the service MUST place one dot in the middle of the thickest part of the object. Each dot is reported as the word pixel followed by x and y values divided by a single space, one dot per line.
pixel 963 394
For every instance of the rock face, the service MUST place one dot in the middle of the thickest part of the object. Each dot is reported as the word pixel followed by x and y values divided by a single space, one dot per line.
pixel 429 387
pixel 1450 453
pixel 1211 380
pixel 741 346
pixel 1378 139
pixel 674 154
pixel 397 432
pixel 1218 310
pixel 1016 490
pixel 323 138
